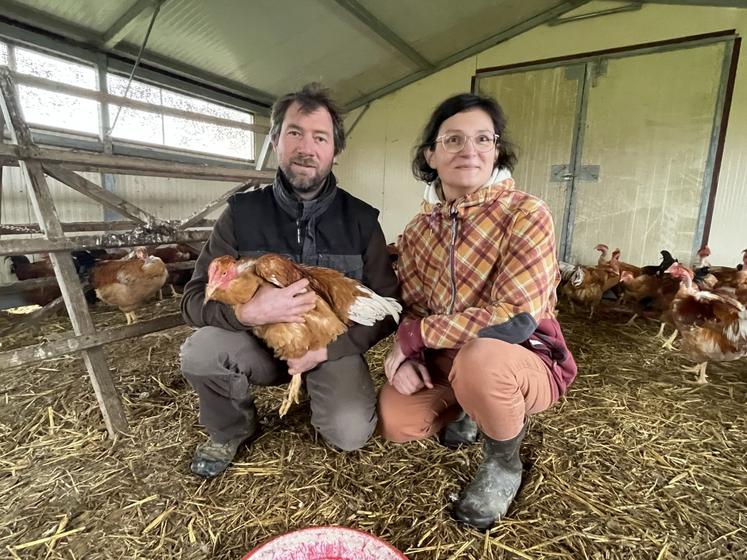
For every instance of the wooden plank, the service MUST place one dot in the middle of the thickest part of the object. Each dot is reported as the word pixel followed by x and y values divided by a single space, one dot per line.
pixel 139 236
pixel 77 227
pixel 2 129
pixel 35 283
pixel 195 218
pixel 264 154
pixel 21 286
pixel 67 278
pixel 103 97
pixel 27 285
pixel 55 349
pixel 100 195
pixel 128 165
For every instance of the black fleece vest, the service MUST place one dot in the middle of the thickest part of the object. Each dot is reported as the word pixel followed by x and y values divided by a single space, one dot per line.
pixel 342 233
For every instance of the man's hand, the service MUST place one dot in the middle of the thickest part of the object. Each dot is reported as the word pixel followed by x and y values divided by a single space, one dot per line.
pixel 308 361
pixel 411 377
pixel 277 305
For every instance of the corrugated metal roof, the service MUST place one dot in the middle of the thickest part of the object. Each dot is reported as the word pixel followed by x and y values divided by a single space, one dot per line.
pixel 358 48
pixel 95 15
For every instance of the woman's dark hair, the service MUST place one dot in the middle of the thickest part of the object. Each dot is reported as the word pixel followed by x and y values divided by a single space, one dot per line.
pixel 449 108
pixel 311 97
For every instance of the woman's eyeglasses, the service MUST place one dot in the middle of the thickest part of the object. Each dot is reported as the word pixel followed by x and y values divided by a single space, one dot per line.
pixel 455 142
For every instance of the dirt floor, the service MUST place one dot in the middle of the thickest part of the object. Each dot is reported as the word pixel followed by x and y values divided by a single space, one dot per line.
pixel 636 463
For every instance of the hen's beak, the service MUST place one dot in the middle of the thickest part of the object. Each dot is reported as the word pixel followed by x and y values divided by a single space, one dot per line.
pixel 209 291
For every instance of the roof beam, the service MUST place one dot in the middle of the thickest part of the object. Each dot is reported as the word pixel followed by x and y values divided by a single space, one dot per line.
pixel 709 3
pixel 491 41
pixel 126 22
pixel 378 27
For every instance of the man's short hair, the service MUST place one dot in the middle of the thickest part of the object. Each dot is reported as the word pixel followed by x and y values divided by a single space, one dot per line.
pixel 310 98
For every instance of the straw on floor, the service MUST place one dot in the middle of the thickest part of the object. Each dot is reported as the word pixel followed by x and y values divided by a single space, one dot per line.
pixel 635 463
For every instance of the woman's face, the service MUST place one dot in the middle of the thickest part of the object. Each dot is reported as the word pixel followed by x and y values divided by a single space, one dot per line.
pixel 466 171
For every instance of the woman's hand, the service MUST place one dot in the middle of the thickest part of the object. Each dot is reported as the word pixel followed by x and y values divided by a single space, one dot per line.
pixel 411 377
pixel 393 360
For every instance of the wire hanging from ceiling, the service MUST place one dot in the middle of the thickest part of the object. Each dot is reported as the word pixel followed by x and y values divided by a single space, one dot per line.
pixel 156 9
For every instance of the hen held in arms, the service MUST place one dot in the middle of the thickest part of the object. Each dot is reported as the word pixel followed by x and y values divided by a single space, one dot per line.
pixel 340 302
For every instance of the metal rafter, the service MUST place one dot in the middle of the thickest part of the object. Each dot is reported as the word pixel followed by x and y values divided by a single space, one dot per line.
pixel 629 7
pixel 707 3
pixel 491 41
pixel 127 21
pixel 378 27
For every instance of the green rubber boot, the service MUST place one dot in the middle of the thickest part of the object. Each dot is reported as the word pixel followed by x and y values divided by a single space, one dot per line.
pixel 486 499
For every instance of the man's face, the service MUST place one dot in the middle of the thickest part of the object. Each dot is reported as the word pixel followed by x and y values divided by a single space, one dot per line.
pixel 305 148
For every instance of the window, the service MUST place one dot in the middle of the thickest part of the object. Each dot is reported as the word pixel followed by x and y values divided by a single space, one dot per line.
pixel 53 68
pixel 166 123
pixel 177 131
pixel 49 108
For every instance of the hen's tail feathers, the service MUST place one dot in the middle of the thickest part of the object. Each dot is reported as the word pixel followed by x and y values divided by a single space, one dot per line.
pixel 371 307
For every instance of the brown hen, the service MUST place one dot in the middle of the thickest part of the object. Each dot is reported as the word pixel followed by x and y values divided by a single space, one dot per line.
pixel 340 301
pixel 713 324
pixel 128 283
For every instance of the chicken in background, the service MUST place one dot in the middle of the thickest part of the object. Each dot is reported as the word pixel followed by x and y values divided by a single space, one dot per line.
pixel 340 301
pixel 727 275
pixel 585 285
pixel 702 270
pixel 171 254
pixel 713 324
pixel 623 266
pixel 651 297
pixel 129 282
pixel 603 250
pixel 21 268
pixel 7 276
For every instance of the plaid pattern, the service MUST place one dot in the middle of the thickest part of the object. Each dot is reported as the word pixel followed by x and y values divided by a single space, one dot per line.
pixel 502 262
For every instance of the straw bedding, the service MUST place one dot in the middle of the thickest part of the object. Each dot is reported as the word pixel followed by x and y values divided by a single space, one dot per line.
pixel 635 463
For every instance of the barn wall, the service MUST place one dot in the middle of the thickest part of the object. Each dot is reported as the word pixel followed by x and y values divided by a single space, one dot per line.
pixel 376 163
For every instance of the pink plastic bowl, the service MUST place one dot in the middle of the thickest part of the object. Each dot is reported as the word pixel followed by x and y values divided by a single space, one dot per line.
pixel 325 543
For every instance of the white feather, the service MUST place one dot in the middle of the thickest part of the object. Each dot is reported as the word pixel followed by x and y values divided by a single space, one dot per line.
pixel 737 334
pixel 571 273
pixel 243 266
pixel 369 308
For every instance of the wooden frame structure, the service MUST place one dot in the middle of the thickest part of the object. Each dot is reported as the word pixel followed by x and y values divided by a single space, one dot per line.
pixel 144 229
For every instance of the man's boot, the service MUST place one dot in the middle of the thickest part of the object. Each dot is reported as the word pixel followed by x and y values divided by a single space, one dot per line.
pixel 485 500
pixel 462 431
pixel 212 458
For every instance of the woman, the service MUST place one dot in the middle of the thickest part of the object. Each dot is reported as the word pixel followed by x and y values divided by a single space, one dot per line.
pixel 480 348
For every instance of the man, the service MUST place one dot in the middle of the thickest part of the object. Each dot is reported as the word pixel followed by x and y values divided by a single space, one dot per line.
pixel 306 216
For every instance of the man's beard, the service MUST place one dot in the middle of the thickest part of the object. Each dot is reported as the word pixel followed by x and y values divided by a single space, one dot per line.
pixel 303 184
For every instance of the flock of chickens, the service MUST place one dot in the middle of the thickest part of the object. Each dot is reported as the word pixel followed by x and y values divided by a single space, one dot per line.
pixel 120 278
pixel 706 305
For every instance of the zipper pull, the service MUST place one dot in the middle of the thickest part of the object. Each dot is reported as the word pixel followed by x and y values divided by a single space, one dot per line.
pixel 454 224
pixel 298 231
